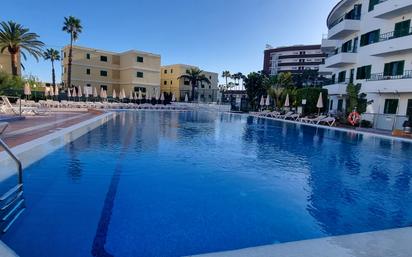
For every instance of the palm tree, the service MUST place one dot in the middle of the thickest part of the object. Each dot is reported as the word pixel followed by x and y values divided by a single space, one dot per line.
pixel 19 41
pixel 52 55
pixel 226 75
pixel 74 28
pixel 194 75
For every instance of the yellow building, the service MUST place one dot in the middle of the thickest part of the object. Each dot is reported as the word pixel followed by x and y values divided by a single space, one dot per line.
pixel 132 70
pixel 170 83
pixel 5 63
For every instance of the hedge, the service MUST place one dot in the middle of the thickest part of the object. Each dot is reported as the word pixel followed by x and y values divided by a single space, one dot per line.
pixel 312 95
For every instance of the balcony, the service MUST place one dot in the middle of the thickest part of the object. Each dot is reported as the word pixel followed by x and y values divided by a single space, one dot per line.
pixel 380 83
pixel 329 45
pixel 324 71
pixel 340 59
pixel 390 9
pixel 395 42
pixel 344 29
pixel 337 88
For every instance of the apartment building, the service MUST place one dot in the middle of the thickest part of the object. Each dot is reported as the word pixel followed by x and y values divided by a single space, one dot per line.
pixel 170 83
pixel 132 70
pixel 294 59
pixel 369 42
pixel 5 63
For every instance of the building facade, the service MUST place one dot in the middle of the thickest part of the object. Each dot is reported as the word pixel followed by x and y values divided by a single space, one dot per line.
pixel 369 42
pixel 170 83
pixel 5 63
pixel 132 70
pixel 294 59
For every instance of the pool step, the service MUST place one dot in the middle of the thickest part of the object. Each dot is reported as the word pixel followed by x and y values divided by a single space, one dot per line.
pixel 11 207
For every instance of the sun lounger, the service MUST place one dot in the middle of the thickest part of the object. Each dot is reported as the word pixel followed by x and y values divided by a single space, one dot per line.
pixel 8 108
pixel 312 120
pixel 330 121
pixel 284 117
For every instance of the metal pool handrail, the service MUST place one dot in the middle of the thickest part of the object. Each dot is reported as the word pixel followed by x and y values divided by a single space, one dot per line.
pixel 3 126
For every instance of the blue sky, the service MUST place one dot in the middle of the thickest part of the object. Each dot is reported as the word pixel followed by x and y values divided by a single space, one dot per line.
pixel 216 35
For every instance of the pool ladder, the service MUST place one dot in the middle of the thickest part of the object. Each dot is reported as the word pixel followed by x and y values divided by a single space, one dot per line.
pixel 12 202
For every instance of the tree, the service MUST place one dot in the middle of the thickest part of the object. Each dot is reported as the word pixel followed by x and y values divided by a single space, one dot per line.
pixel 226 75
pixel 256 86
pixel 19 41
pixel 74 28
pixel 10 85
pixel 52 55
pixel 356 100
pixel 194 75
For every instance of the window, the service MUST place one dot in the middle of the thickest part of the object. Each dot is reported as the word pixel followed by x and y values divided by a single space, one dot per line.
pixel 88 56
pixel 103 58
pixel 409 108
pixel 364 72
pixel 139 59
pixel 171 82
pixel 142 89
pixel 103 73
pixel 340 105
pixel 64 54
pixel 139 74
pixel 165 82
pixel 334 78
pixel 301 60
pixel 342 76
pixel 391 106
pixel 103 87
pixel 402 29
pixel 165 71
pixel 88 71
pixel 352 75
pixel 186 83
pixel 370 38
pixel 372 4
pixel 88 85
pixel 331 104
pixel 355 45
pixel 171 71
pixel 302 52
pixel 394 68
pixel 347 47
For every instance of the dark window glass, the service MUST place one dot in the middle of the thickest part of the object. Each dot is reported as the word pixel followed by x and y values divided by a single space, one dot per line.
pixel 402 29
pixel 88 71
pixel 391 106
pixel 370 38
pixel 364 72
pixel 103 58
pixel 372 4
pixel 165 82
pixel 331 105
pixel 139 59
pixel 342 76
pixel 186 82
pixel 142 89
pixel 139 74
pixel 88 56
pixel 394 68
pixel 165 72
pixel 103 87
pixel 340 105
pixel 103 73
pixel 409 108
pixel 171 70
pixel 347 47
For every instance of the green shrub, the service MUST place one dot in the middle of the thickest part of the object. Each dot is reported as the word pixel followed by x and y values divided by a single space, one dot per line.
pixel 312 95
pixel 9 83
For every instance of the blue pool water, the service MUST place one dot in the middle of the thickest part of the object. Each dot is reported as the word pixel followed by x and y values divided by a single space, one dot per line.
pixel 171 184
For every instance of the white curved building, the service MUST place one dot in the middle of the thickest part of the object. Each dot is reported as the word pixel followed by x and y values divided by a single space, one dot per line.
pixel 370 42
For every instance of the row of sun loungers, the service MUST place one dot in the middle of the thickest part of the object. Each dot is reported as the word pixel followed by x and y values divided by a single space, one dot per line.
pixel 34 108
pixel 319 120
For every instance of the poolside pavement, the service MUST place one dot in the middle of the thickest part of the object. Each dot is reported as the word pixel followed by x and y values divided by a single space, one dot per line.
pixel 33 127
pixel 386 243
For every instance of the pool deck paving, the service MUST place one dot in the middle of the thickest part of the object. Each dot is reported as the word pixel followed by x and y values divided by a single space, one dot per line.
pixel 386 243
pixel 32 127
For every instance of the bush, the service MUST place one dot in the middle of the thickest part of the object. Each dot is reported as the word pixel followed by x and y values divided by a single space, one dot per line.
pixel 9 83
pixel 365 124
pixel 312 95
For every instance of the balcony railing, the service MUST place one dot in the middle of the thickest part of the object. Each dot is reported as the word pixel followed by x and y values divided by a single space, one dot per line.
pixel 344 17
pixel 341 50
pixel 395 34
pixel 342 81
pixel 381 76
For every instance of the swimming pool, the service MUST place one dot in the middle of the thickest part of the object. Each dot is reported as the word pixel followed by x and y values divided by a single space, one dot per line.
pixel 173 184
